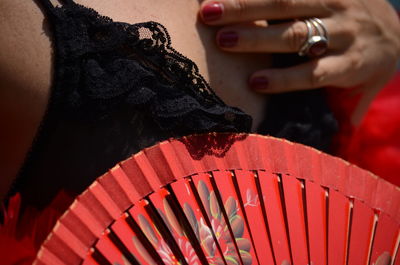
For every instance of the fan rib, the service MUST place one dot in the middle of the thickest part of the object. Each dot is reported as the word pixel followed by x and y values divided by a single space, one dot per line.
pixel 292 193
pixel 186 226
pixel 113 188
pixel 338 227
pixel 104 199
pixel 276 216
pixel 360 233
pixel 245 186
pixel 267 225
pixel 372 240
pixel 124 250
pixel 316 215
pixel 306 219
pixel 162 167
pixel 99 258
pixel 143 238
pixel 135 175
pixel 165 232
pixel 202 201
pixel 220 199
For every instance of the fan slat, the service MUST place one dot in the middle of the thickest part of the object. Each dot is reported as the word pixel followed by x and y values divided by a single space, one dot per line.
pixel 276 151
pixel 213 163
pixel 275 215
pixel 96 209
pixel 397 260
pixel 73 241
pixel 339 226
pixel 125 183
pixel 190 164
pixel 112 187
pixel 387 199
pixel 131 241
pixel 387 233
pixel 174 225
pixel 90 222
pixel 47 257
pixel 234 211
pixel 104 199
pixel 334 172
pixel 317 224
pixel 136 171
pixel 307 163
pixel 107 248
pixel 89 260
pixel 361 185
pixel 293 195
pixel 82 224
pixel 360 234
pixel 165 167
pixel 237 157
pixel 60 251
pixel 251 206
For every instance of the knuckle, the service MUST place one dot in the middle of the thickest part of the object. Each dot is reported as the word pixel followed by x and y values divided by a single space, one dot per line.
pixel 296 36
pixel 283 5
pixel 318 77
pixel 337 5
pixel 355 61
pixel 241 7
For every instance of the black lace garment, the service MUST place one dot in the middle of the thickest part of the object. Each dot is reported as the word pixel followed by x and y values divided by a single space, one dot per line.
pixel 118 88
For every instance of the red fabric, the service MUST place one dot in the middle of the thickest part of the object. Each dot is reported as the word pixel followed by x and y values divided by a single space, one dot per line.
pixel 375 144
pixel 22 234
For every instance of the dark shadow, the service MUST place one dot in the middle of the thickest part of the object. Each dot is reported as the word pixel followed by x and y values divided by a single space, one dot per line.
pixel 213 144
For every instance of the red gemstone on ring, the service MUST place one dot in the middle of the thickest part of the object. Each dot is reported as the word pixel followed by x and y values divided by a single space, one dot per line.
pixel 318 48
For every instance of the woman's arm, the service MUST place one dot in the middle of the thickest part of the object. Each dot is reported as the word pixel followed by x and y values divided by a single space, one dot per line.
pixel 24 83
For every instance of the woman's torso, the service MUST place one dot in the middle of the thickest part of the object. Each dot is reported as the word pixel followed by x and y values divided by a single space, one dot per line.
pixel 26 64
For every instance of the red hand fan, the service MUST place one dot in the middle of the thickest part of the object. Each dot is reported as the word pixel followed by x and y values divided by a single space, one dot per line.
pixel 230 199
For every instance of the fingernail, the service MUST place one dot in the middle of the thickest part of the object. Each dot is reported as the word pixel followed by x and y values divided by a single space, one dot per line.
pixel 212 11
pixel 259 83
pixel 228 39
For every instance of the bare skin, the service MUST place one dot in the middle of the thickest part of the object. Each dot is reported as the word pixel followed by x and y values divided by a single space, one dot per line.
pixel 363 50
pixel 26 65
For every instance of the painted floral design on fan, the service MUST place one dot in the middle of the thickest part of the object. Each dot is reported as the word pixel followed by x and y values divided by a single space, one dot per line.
pixel 220 228
pixel 162 248
pixel 205 235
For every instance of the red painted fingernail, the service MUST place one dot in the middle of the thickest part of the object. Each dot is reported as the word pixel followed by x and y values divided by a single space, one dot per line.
pixel 259 83
pixel 228 39
pixel 212 11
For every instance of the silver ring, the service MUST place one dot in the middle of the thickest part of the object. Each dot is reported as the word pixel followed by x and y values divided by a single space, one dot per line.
pixel 315 44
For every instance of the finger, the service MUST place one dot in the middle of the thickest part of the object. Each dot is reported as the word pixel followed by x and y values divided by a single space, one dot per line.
pixel 224 12
pixel 279 38
pixel 333 70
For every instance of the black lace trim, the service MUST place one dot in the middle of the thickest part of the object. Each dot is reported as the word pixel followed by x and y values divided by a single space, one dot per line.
pixel 105 65
pixel 102 68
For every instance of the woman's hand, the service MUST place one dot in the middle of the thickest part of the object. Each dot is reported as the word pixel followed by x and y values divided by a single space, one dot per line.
pixel 363 47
